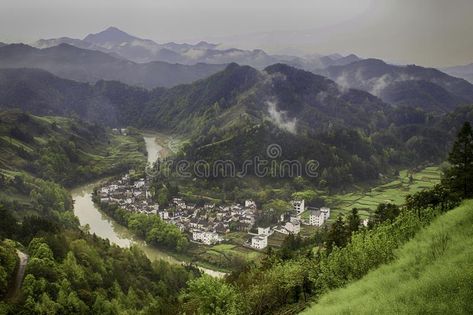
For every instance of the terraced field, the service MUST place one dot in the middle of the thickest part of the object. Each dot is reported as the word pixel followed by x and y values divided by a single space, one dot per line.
pixel 394 192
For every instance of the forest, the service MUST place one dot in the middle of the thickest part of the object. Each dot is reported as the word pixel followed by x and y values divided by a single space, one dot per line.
pixel 71 271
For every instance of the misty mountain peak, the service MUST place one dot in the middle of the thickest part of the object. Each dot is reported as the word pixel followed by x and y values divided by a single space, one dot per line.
pixel 111 34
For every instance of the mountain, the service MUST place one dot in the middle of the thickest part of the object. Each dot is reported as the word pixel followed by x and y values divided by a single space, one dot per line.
pixel 338 60
pixel 130 47
pixel 411 85
pixel 464 72
pixel 119 43
pixel 123 45
pixel 293 98
pixel 86 65
pixel 110 36
pixel 237 113
pixel 42 93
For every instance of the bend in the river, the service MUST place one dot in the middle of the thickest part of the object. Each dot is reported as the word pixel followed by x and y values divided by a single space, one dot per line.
pixel 104 226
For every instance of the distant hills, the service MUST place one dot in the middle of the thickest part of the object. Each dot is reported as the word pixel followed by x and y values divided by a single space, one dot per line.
pixel 42 93
pixel 119 43
pixel 410 85
pixel 464 72
pixel 86 65
pixel 280 94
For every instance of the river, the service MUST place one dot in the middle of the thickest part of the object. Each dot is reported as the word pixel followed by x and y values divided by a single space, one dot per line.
pixel 105 227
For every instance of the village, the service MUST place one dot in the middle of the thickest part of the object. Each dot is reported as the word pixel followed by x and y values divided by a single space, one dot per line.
pixel 208 224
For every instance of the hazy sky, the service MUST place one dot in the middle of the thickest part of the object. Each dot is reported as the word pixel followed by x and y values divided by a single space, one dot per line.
pixel 425 32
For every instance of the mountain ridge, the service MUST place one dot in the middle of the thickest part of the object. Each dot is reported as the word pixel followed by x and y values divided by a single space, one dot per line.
pixel 375 76
pixel 86 65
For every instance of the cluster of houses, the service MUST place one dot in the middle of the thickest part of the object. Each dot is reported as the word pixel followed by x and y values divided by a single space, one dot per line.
pixel 291 223
pixel 208 224
pixel 131 195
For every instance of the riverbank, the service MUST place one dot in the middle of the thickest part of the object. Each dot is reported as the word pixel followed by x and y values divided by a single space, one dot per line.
pixel 98 222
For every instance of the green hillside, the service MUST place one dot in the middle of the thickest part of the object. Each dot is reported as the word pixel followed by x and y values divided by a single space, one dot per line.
pixel 433 274
pixel 64 150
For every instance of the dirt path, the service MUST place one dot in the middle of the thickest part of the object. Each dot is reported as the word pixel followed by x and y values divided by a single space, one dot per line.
pixel 19 274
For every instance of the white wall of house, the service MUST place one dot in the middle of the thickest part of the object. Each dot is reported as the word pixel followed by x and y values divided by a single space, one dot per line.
pixel 264 231
pixel 299 206
pixel 326 212
pixel 259 242
pixel 316 218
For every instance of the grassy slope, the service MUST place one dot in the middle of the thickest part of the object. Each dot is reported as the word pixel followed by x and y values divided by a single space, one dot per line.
pixel 432 275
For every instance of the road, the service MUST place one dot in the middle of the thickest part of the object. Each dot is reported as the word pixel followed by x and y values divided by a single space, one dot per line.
pixel 19 274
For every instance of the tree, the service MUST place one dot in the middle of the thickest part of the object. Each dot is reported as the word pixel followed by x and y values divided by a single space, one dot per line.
pixel 386 211
pixel 208 295
pixel 278 205
pixel 354 221
pixel 8 223
pixel 337 235
pixel 459 178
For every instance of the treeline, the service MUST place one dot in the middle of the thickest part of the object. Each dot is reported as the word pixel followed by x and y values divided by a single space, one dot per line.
pixel 148 227
pixel 8 263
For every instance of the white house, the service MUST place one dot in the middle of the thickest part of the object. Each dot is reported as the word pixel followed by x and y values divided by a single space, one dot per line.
pixel 163 214
pixel 299 206
pixel 250 204
pixel 316 217
pixel 112 187
pixel 326 212
pixel 139 183
pixel 293 226
pixel 259 241
pixel 208 238
pixel 264 231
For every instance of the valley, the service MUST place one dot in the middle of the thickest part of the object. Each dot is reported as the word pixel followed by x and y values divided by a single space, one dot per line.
pixel 295 168
pixel 97 222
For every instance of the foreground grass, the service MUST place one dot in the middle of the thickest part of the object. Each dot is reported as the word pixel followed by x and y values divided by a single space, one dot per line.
pixel 433 274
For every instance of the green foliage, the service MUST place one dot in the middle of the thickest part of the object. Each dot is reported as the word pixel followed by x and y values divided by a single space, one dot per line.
pixel 386 212
pixel 338 234
pixel 208 295
pixel 8 263
pixel 97 278
pixel 354 221
pixel 421 279
pixel 65 151
pixel 149 227
pixel 460 175
pixel 288 277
